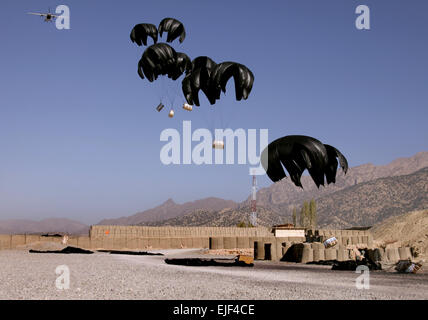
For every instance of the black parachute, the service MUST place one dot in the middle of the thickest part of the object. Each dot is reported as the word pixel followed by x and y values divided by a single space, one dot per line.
pixel 141 31
pixel 158 59
pixel 198 79
pixel 194 82
pixel 174 28
pixel 182 65
pixel 298 153
pixel 212 78
pixel 243 77
pixel 203 62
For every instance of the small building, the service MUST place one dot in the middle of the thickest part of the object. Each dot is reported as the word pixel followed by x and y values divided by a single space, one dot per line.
pixel 288 230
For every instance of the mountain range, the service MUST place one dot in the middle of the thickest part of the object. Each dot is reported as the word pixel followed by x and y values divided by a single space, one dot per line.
pixel 366 195
pixel 170 209
pixel 52 225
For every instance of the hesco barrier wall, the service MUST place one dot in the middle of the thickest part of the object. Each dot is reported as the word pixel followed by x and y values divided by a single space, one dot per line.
pixel 175 232
pixel 282 249
pixel 146 238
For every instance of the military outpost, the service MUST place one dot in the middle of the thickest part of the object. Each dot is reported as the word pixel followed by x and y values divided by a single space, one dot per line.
pixel 279 243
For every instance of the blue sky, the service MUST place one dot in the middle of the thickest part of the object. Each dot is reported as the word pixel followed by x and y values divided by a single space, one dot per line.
pixel 79 134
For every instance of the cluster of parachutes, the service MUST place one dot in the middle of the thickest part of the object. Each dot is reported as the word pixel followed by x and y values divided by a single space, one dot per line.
pixel 295 153
pixel 201 74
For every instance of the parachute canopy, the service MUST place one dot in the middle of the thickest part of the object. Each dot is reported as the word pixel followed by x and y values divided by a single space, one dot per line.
pixel 141 31
pixel 158 59
pixel 298 153
pixel 212 78
pixel 243 77
pixel 183 64
pixel 174 28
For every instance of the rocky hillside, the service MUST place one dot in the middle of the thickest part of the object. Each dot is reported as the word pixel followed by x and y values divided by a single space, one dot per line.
pixel 222 218
pixel 410 229
pixel 283 195
pixel 369 203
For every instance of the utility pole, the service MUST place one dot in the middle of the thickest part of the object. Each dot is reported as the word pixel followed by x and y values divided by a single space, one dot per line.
pixel 253 216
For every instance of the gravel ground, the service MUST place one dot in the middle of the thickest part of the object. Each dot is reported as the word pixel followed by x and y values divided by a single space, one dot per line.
pixel 103 276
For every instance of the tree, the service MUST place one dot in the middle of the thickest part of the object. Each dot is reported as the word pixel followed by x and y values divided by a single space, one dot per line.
pixel 241 224
pixel 313 214
pixel 294 216
pixel 304 215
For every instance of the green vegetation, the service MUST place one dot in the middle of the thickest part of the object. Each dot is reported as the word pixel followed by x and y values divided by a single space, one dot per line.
pixel 242 224
pixel 308 215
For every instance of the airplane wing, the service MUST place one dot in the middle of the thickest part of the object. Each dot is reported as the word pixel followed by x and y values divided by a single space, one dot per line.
pixel 38 14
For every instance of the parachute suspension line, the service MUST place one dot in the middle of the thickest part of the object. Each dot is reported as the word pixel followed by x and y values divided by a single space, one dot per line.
pixel 160 90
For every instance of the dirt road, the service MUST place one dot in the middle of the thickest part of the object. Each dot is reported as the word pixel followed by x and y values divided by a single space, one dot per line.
pixel 103 276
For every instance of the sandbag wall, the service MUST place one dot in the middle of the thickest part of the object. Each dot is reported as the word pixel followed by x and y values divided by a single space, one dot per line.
pixel 141 237
pixel 18 241
pixel 304 252
pixel 344 237
pixel 175 232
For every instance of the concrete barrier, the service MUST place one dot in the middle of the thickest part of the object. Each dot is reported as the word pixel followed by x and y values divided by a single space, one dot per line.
pixel 187 242
pixel 120 243
pixel 153 243
pixel 243 243
pixel 205 242
pixel 370 240
pixel 197 243
pixel 342 255
pixel 330 254
pixel 5 241
pixel 107 243
pixel 176 243
pixel 164 243
pixel 319 255
pixel 392 254
pixel 178 232
pixel 317 245
pixel 404 253
pixel 84 242
pixel 142 243
pixel 31 238
pixel 229 242
pixel 17 240
pixel 278 246
pixel 307 253
pixel 96 243
pixel 72 242
pixel 217 243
